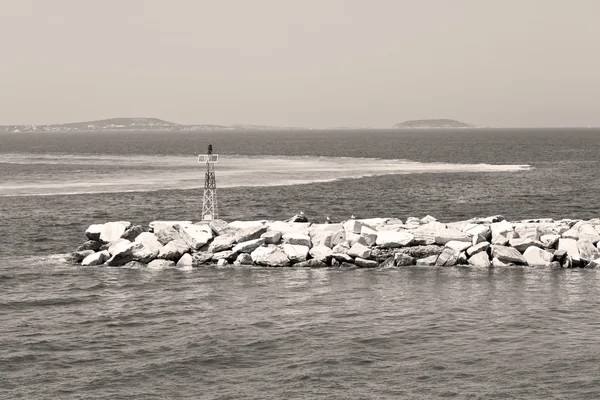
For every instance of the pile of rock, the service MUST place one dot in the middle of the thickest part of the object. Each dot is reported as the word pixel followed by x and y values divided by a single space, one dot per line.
pixel 365 243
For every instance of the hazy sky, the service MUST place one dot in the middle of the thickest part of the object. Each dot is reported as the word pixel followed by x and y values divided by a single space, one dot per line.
pixel 314 63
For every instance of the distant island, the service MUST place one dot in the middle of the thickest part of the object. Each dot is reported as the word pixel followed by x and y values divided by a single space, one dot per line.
pixel 432 124
pixel 132 125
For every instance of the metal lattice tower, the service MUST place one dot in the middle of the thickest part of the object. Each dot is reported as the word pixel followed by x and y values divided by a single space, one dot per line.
pixel 210 211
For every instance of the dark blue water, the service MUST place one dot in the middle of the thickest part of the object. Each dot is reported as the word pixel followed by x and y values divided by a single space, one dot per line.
pixel 72 332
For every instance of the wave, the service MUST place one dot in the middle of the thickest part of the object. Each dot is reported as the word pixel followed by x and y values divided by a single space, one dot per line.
pixel 113 174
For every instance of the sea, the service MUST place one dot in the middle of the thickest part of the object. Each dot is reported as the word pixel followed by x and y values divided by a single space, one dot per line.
pixel 70 332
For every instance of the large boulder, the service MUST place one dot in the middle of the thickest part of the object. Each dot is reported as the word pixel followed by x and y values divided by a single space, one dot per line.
pixel 588 233
pixel 149 241
pixel 220 243
pixel 185 262
pixel 480 259
pixel 502 228
pixel 156 226
pixel 295 253
pixel 360 251
pixel 427 261
pixel 448 258
pixel 478 230
pixel 118 245
pixel 459 246
pixel 570 246
pixel 220 228
pixel 250 233
pixel 321 253
pixel 228 255
pixel 271 237
pixel 166 233
pixel 537 257
pixel 195 235
pixel 173 250
pixel 289 227
pixel 201 258
pixel 143 254
pixel 550 241
pixel 93 232
pixel 270 256
pixel 122 253
pixel 478 248
pixel 450 234
pixel 132 232
pixel 95 259
pixel 527 231
pixel 392 239
pixel 244 259
pixel 112 231
pixel 508 255
pixel 353 226
pixel 587 251
pixel 248 246
pixel 247 224
pixel 297 238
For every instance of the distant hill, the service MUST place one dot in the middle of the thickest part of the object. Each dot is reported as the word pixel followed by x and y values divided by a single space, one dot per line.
pixel 130 125
pixel 432 124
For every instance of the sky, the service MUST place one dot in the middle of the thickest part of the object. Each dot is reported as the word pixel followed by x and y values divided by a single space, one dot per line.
pixel 313 63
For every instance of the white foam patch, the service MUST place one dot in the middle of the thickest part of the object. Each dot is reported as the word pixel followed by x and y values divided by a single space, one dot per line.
pixel 91 174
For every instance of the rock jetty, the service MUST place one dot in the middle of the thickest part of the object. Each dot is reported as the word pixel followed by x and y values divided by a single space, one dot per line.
pixel 355 243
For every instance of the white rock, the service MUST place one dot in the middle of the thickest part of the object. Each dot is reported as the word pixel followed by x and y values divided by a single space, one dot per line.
pixel 165 234
pixel 370 239
pixel 508 255
pixel 295 253
pixel 173 250
pixel 527 231
pixel 244 259
pixel 149 241
pixel 195 236
pixel 261 253
pixel 588 233
pixel 499 240
pixel 185 261
pixel 122 253
pixel 93 231
pixel 498 264
pixel 352 238
pixel 142 254
pixel 389 239
pixel 480 260
pixel 222 262
pixel 118 246
pixel 289 227
pixel 221 228
pixel 570 246
pixel 251 233
pixel 587 251
pixel 321 253
pixel 373 221
pixel 248 246
pixel 247 224
pixel 270 256
pixel 297 238
pixel 271 237
pixel 220 243
pixel 550 241
pixel 537 257
pixel 448 258
pixel 359 250
pixel 353 226
pixel 95 259
pixel 458 246
pixel 112 231
pixel 478 248
pixel 501 228
pixel 327 238
pixel 341 248
pixel 450 234
pixel 428 219
pixel 478 229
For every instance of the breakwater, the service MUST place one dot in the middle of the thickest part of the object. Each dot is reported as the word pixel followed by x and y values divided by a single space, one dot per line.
pixel 359 243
